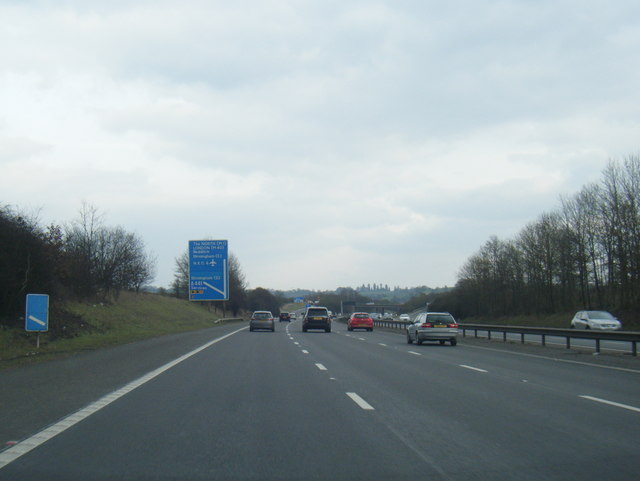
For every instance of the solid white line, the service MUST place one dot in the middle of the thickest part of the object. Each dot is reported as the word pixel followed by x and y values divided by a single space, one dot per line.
pixel 43 436
pixel 360 402
pixel 304 351
pixel 592 348
pixel 568 361
pixel 473 368
pixel 320 366
pixel 611 403
pixel 413 352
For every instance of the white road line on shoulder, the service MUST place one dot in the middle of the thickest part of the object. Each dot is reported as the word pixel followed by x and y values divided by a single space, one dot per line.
pixel 549 358
pixel 612 349
pixel 414 353
pixel 304 351
pixel 612 403
pixel 320 366
pixel 23 447
pixel 360 402
pixel 473 368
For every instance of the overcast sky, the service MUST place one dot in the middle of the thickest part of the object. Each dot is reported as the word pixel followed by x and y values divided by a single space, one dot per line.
pixel 333 143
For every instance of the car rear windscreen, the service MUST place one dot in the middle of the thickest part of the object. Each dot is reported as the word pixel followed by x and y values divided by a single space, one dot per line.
pixel 317 312
pixel 444 319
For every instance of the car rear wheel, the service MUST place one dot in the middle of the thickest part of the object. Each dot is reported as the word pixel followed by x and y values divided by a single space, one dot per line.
pixel 442 343
pixel 453 342
pixel 418 340
pixel 409 340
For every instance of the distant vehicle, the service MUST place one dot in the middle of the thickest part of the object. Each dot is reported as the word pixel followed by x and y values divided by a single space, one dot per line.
pixel 360 320
pixel 602 320
pixel 405 317
pixel 433 326
pixel 316 318
pixel 262 320
pixel 285 317
pixel 292 315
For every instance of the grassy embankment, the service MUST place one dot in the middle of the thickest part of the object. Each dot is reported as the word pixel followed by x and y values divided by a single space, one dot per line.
pixel 132 317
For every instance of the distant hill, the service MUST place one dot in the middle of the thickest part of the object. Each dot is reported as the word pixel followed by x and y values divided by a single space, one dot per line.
pixel 375 292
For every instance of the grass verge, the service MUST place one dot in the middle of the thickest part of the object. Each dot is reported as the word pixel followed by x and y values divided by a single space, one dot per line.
pixel 83 326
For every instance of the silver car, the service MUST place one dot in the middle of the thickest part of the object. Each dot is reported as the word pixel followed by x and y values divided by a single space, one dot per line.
pixel 595 320
pixel 262 320
pixel 433 326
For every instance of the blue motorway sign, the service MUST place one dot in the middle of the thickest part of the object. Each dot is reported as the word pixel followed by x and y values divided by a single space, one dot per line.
pixel 37 316
pixel 208 270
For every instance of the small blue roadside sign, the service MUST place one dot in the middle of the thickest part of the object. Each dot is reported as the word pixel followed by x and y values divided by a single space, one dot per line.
pixel 37 316
pixel 208 270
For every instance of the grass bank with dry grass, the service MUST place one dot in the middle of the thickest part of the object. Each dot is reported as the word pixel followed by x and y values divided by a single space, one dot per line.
pixel 82 326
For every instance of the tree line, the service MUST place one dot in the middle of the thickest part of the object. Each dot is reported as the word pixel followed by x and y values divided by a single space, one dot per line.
pixel 83 260
pixel 583 255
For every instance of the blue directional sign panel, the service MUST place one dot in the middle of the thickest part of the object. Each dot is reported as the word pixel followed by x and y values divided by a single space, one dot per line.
pixel 208 270
pixel 37 317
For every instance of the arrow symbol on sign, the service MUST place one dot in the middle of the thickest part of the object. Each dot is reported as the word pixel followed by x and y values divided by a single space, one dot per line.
pixel 36 320
pixel 224 270
pixel 213 287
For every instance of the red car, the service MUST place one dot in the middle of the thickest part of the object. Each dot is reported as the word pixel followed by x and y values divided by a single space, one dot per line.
pixel 360 320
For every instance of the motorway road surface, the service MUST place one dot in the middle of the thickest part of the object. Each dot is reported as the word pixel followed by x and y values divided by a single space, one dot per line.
pixel 347 406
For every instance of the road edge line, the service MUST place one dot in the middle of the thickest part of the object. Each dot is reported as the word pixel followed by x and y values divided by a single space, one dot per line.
pixel 23 447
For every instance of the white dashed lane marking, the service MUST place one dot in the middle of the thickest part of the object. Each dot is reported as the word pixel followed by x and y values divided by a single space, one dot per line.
pixel 612 403
pixel 473 368
pixel 360 402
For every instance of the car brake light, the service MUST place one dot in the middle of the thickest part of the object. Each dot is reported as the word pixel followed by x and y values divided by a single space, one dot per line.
pixel 454 325
pixel 427 324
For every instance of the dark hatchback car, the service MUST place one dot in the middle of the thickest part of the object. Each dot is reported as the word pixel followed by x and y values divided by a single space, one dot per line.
pixel 316 318
pixel 285 317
